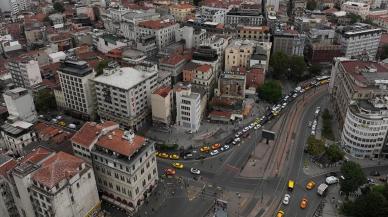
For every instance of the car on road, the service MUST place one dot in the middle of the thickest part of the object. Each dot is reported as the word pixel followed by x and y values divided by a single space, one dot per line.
pixel 236 141
pixel 61 123
pixel 303 203
pixel 214 152
pixel 245 129
pixel 163 155
pixel 205 149
pixel 313 132
pixel 310 124
pixel 224 147
pixel 188 156
pixel 310 185
pixel 59 117
pixel 291 184
pixel 286 199
pixel 216 146
pixel 284 105
pixel 280 214
pixel 177 165
pixel 195 171
pixel 174 157
pixel 331 180
pixel 169 171
pixel 294 95
pixel 54 120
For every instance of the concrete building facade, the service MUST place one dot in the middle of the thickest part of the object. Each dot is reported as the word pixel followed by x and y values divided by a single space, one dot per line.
pixel 161 103
pixel 25 73
pixel 188 107
pixel 20 105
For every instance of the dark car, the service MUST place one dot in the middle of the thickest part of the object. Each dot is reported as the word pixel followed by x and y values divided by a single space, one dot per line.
pixel 229 141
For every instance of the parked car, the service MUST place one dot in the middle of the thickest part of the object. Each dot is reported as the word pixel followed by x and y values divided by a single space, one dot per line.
pixel 214 152
pixel 331 180
pixel 195 171
pixel 286 199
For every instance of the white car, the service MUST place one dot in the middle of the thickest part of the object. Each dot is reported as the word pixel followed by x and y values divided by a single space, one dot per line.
pixel 195 171
pixel 225 147
pixel 313 132
pixel 331 180
pixel 286 199
pixel 294 95
pixel 284 105
pixel 214 152
pixel 59 117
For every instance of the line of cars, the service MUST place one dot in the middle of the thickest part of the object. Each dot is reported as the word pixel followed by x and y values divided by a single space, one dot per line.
pixel 313 124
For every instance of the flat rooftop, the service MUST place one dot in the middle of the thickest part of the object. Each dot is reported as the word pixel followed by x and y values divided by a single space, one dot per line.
pixel 124 78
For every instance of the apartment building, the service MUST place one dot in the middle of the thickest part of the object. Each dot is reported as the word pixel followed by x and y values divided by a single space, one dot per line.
pixel 20 105
pixel 124 94
pixel 353 80
pixel 240 16
pixel 125 167
pixel 161 104
pixel 130 20
pixel 274 4
pixel 260 33
pixel 298 7
pixel 110 42
pixel 231 85
pixel 365 128
pixel 288 41
pixel 86 137
pixel 17 135
pixel 188 107
pixel 173 65
pixel 25 72
pixel 238 54
pixel 192 38
pixel 207 55
pixel 359 8
pixel 14 6
pixel 204 78
pixel 181 12
pixel 8 44
pixel 215 14
pixel 164 30
pixel 7 204
pixel 359 39
pixel 75 78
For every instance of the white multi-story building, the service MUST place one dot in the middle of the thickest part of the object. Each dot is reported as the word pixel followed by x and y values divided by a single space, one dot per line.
pixel 75 78
pixel 213 14
pixel 45 183
pixel 85 138
pixel 358 8
pixel 17 135
pixel 20 105
pixel 130 20
pixel 359 39
pixel 188 107
pixel 25 73
pixel 8 44
pixel 124 94
pixel 191 37
pixel 109 42
pixel 365 129
pixel 125 168
pixel 164 30
pixel 14 6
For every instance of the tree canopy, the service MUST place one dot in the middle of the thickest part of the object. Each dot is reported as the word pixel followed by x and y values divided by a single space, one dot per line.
pixel 288 67
pixel 58 7
pixel 45 100
pixel 354 177
pixel 327 130
pixel 334 153
pixel 298 68
pixel 101 66
pixel 311 5
pixel 279 62
pixel 271 91
pixel 315 147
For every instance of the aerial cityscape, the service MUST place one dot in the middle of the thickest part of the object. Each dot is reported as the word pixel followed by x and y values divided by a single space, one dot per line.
pixel 200 108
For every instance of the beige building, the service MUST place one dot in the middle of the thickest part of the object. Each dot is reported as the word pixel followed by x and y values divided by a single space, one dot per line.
pixel 161 103
pixel 238 54
pixel 125 167
pixel 182 12
pixel 260 33
pixel 356 80
pixel 358 8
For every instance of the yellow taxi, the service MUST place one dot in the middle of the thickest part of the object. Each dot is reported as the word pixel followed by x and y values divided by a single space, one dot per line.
pixel 280 213
pixel 163 155
pixel 61 123
pixel 174 157
pixel 216 146
pixel 169 172
pixel 310 185
pixel 303 203
pixel 177 165
pixel 204 149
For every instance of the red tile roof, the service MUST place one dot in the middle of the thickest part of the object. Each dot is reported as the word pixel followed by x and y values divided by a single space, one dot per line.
pixel 352 68
pixel 57 168
pixel 162 91
pixel 204 68
pixel 36 156
pixel 183 6
pixel 221 114
pixel 89 133
pixel 155 24
pixel 7 166
pixel 173 60
pixel 114 141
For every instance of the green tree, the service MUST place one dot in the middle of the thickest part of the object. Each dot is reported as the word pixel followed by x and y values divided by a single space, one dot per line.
pixel 311 5
pixel 271 91
pixel 370 204
pixel 101 66
pixel 354 177
pixel 279 62
pixel 45 100
pixel 297 68
pixel 334 153
pixel 315 147
pixel 384 53
pixel 327 131
pixel 354 18
pixel 58 7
